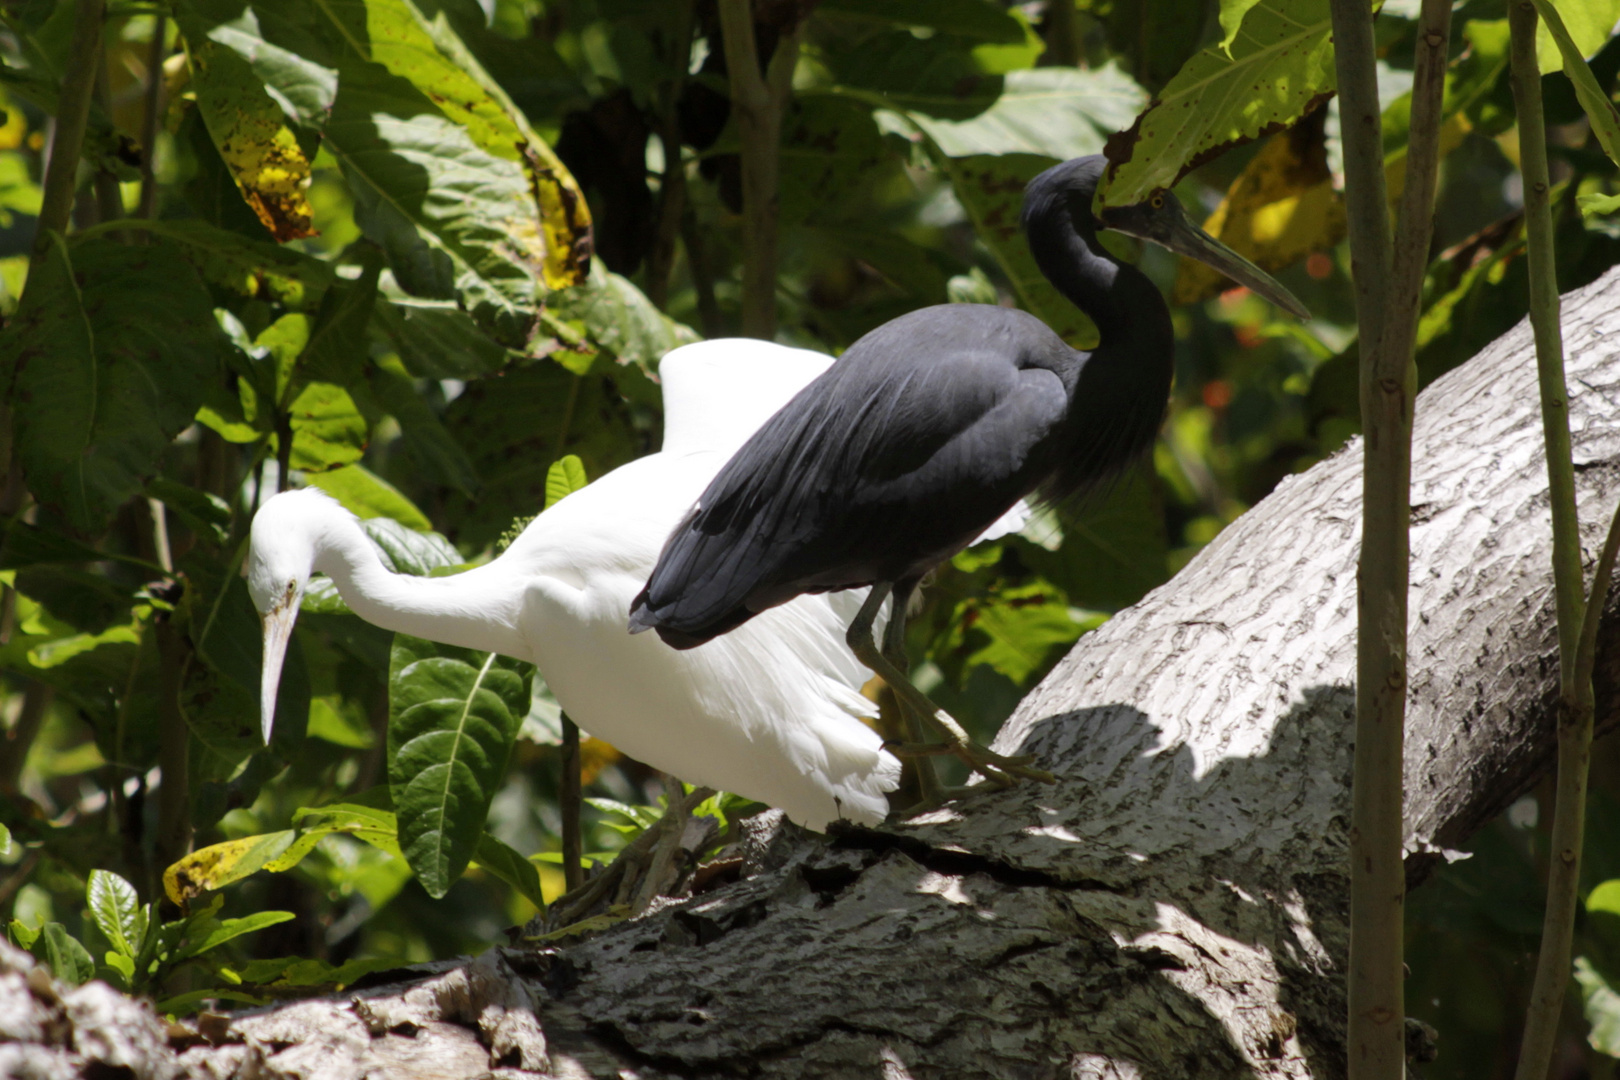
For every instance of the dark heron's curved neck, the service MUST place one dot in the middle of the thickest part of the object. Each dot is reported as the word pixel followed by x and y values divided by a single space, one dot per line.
pixel 1129 311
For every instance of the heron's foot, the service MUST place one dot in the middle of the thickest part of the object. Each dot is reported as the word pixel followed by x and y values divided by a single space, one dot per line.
pixel 1000 768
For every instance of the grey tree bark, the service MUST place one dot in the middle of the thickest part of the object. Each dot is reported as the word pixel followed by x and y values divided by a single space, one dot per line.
pixel 1175 906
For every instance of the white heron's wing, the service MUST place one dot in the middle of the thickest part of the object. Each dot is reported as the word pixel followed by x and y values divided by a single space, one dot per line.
pixel 718 393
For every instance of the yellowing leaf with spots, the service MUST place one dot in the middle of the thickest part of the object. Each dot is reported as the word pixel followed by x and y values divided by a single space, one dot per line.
pixel 251 133
pixel 1281 208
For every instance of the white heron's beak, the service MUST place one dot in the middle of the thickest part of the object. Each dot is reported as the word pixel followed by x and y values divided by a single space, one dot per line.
pixel 278 628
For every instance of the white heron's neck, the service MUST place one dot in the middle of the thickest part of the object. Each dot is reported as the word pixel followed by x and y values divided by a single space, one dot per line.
pixel 477 609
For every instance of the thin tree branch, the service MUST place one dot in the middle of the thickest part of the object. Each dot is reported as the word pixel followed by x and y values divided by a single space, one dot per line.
pixel 72 116
pixel 149 120
pixel 1377 876
pixel 672 189
pixel 758 102
pixel 1576 704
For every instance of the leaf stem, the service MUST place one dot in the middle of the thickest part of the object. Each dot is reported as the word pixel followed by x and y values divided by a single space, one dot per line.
pixel 1575 700
pixel 149 119
pixel 73 114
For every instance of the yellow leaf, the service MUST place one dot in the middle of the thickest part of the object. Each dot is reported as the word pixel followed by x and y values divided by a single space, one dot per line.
pixel 220 864
pixel 1279 209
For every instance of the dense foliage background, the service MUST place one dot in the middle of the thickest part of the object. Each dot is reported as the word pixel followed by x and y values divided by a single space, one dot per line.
pixel 344 243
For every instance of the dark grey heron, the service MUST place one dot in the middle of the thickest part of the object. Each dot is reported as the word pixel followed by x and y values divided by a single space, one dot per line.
pixel 926 430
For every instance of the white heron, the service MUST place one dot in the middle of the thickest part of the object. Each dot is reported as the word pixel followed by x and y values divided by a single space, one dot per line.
pixel 772 712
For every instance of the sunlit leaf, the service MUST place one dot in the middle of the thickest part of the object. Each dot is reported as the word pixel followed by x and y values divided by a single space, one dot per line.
pixel 116 911
pixel 505 863
pixel 368 495
pixel 1581 29
pixel 1578 29
pixel 218 865
pixel 1280 68
pixel 250 130
pixel 565 476
pixel 231 929
pixel 1056 112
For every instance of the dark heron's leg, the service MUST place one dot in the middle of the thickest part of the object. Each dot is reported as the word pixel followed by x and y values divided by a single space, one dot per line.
pixel 929 792
pixel 981 759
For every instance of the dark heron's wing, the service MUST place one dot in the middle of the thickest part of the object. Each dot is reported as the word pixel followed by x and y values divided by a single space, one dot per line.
pixel 920 436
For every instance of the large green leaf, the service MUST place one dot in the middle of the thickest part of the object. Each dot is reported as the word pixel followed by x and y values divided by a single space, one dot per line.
pixel 615 315
pixel 368 495
pixel 1055 112
pixel 240 265
pixel 453 716
pixel 438 340
pixel 1114 548
pixel 1280 68
pixel 328 430
pixel 830 148
pixel 512 425
pixel 446 175
pixel 111 349
pixel 937 77
pixel 1586 25
pixel 424 438
pixel 1577 30
pixel 991 190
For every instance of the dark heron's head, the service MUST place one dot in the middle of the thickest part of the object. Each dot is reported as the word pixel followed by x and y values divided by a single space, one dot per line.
pixel 1160 219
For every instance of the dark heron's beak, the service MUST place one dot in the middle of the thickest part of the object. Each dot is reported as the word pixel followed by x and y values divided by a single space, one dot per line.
pixel 1162 221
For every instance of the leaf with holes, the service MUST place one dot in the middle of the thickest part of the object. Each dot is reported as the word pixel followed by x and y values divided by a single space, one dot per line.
pixel 453 715
pixel 1280 67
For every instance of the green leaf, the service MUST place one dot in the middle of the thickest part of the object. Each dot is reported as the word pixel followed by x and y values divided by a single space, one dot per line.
pixel 618 317
pixel 251 133
pixel 410 552
pixel 111 349
pixel 336 351
pixel 831 150
pixel 438 340
pixel 1583 24
pixel 124 965
pixel 991 190
pixel 116 911
pixel 938 76
pixel 368 495
pixel 241 265
pixel 453 716
pixel 328 430
pixel 1055 112
pixel 565 476
pixel 231 929
pixel 21 934
pixel 1595 205
pixel 62 953
pixel 422 435
pixel 1280 68
pixel 306 88
pixel 505 863
pixel 1599 108
pixel 1016 630
pixel 446 175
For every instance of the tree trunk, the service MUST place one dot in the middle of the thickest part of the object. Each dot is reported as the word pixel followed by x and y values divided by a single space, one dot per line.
pixel 1175 906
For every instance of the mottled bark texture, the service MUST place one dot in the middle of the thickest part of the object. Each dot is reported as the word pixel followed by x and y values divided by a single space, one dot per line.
pixel 1173 907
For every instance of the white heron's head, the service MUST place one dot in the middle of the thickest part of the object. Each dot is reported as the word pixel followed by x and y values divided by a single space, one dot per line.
pixel 281 556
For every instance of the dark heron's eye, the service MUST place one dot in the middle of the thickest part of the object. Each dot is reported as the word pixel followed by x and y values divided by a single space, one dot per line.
pixel 1157 201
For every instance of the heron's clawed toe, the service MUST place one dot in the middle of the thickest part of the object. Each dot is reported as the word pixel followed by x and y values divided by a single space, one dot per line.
pixel 999 768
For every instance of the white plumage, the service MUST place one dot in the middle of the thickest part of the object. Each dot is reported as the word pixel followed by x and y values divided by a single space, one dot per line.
pixel 770 712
